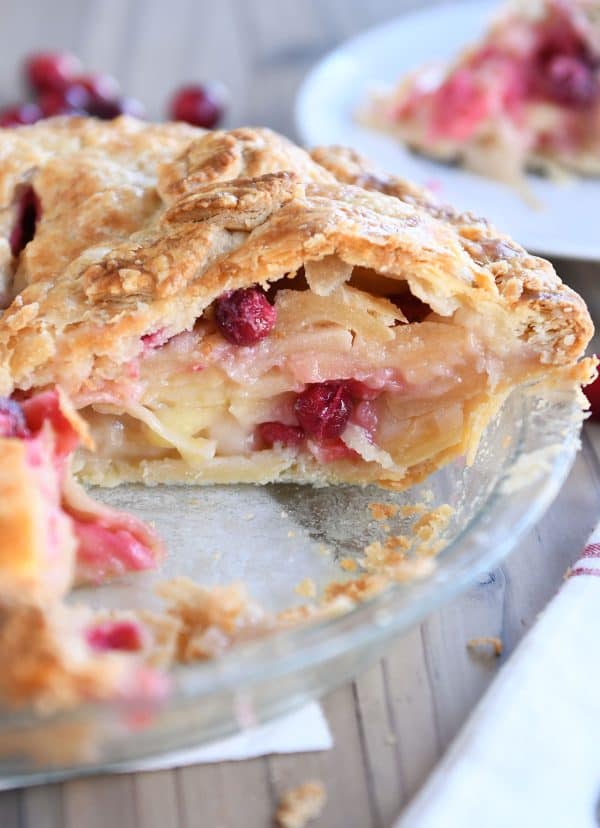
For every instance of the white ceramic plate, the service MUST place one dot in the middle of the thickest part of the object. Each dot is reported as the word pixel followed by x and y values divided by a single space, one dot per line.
pixel 566 225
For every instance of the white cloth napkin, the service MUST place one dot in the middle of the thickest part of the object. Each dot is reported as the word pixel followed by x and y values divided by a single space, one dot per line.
pixel 530 753
pixel 303 730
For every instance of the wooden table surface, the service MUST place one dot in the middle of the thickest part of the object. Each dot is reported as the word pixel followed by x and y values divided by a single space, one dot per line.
pixel 393 723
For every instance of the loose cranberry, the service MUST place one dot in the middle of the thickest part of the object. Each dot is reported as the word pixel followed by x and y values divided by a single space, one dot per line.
pixel 20 115
pixel 274 432
pixel 12 419
pixel 51 70
pixel 571 81
pixel 115 635
pixel 323 409
pixel 28 213
pixel 197 105
pixel 592 392
pixel 107 110
pixel 245 316
pixel 100 87
pixel 412 307
pixel 74 98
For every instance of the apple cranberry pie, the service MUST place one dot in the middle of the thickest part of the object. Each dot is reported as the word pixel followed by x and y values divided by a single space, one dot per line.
pixel 527 95
pixel 225 307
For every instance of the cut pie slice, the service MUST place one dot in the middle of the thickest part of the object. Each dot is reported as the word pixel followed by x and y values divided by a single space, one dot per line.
pixel 526 96
pixel 51 532
pixel 52 535
pixel 276 316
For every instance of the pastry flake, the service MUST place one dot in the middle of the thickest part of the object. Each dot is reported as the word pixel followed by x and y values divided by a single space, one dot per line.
pixel 261 314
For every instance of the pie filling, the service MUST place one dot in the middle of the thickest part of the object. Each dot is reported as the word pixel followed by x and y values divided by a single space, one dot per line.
pixel 106 543
pixel 296 379
pixel 533 88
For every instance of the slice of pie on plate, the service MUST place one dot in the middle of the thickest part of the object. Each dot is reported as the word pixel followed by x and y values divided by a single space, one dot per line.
pixel 52 535
pixel 526 96
pixel 224 307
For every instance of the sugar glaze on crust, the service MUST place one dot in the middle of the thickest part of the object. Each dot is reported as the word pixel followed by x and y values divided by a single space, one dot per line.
pixel 143 227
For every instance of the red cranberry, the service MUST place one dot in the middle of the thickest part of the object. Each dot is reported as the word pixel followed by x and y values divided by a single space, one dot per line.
pixel 100 87
pixel 20 115
pixel 28 213
pixel 571 81
pixel 107 110
pixel 74 98
pixel 274 432
pixel 197 105
pixel 592 392
pixel 411 306
pixel 12 419
pixel 245 316
pixel 115 635
pixel 323 409
pixel 51 70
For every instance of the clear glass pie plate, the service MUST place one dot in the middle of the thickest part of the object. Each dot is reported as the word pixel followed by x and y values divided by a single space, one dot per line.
pixel 271 538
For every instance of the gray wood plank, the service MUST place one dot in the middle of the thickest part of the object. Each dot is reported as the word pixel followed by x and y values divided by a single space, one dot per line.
pixel 98 802
pixel 10 809
pixel 342 769
pixel 43 807
pixel 156 799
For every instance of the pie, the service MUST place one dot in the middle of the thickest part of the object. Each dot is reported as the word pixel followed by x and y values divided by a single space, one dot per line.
pixel 53 536
pixel 526 96
pixel 223 307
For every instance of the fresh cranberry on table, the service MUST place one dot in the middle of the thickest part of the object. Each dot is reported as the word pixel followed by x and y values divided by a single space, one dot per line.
pixel 323 409
pixel 20 115
pixel 99 86
pixel 73 99
pixel 12 419
pixel 592 392
pixel 51 70
pixel 275 432
pixel 200 106
pixel 245 316
pixel 572 81
pixel 107 110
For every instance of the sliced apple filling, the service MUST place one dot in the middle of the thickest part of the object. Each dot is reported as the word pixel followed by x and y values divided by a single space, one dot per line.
pixel 332 379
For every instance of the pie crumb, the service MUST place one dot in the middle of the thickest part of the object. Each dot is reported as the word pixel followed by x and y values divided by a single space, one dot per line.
pixel 300 805
pixel 383 511
pixel 306 588
pixel 348 565
pixel 482 642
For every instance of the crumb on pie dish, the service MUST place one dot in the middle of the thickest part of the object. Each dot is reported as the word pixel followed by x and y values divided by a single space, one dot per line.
pixel 190 307
pixel 224 307
pixel 527 96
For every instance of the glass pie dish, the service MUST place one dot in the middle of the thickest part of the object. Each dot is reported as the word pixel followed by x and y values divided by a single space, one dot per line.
pixel 272 538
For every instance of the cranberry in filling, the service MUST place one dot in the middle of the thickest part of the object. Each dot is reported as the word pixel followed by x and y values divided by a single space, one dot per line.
pixel 571 81
pixel 28 213
pixel 273 432
pixel 323 409
pixel 12 419
pixel 245 316
pixel 411 306
pixel 115 635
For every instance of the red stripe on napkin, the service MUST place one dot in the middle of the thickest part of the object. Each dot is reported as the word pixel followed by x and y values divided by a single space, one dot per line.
pixel 584 570
pixel 592 550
